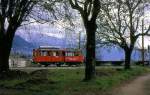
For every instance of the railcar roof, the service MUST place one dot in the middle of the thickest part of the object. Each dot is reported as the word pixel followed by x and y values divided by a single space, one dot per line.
pixel 47 48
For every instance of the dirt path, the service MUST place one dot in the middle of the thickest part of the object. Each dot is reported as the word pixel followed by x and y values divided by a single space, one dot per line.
pixel 135 87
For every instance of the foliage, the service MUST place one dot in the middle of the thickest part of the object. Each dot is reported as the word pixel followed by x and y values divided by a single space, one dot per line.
pixel 12 14
pixel 122 23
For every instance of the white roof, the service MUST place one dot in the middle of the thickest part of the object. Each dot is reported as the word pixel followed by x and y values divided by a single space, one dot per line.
pixel 49 47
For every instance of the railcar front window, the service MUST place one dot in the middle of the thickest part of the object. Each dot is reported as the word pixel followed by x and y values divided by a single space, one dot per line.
pixel 34 53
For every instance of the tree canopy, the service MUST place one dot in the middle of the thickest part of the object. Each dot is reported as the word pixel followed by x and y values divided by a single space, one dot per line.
pixel 12 14
pixel 122 23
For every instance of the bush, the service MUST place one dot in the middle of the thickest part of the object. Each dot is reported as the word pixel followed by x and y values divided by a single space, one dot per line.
pixel 13 74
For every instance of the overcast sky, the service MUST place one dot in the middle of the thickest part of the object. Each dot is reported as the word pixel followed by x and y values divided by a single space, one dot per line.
pixel 59 29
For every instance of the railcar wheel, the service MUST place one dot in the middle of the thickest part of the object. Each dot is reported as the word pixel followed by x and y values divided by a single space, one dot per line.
pixel 58 65
pixel 46 65
pixel 78 64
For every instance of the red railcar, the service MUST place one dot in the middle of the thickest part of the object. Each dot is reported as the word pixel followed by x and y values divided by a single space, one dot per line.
pixel 46 55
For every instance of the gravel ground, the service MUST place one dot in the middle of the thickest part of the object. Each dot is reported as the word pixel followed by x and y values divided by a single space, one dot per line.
pixel 138 86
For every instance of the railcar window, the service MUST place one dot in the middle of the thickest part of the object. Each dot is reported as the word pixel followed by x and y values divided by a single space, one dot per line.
pixel 44 53
pixel 49 53
pixel 34 53
pixel 55 53
pixel 38 53
pixel 76 54
pixel 70 54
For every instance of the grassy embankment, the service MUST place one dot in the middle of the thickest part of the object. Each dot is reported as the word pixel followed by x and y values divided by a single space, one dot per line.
pixel 67 82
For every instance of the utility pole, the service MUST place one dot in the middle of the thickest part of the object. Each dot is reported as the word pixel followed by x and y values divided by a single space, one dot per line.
pixel 143 37
pixel 149 54
pixel 143 41
pixel 79 40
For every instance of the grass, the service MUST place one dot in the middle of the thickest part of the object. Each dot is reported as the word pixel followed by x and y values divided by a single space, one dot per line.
pixel 69 82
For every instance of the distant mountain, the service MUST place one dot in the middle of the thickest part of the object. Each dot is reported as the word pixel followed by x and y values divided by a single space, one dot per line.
pixel 25 43
pixel 39 39
pixel 20 42
pixel 22 46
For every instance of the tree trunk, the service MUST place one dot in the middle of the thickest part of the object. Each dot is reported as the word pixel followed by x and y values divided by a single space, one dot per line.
pixel 4 58
pixel 5 49
pixel 127 58
pixel 90 51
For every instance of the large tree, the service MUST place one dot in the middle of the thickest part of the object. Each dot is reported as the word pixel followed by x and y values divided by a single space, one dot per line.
pixel 122 24
pixel 12 14
pixel 89 10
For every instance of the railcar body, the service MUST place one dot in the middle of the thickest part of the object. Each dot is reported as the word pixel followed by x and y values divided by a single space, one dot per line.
pixel 57 56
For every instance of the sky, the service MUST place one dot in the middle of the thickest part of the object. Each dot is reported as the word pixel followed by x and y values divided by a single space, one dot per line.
pixel 59 32
pixel 60 28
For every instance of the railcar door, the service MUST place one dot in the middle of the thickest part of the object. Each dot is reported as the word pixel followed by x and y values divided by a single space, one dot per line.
pixel 73 58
